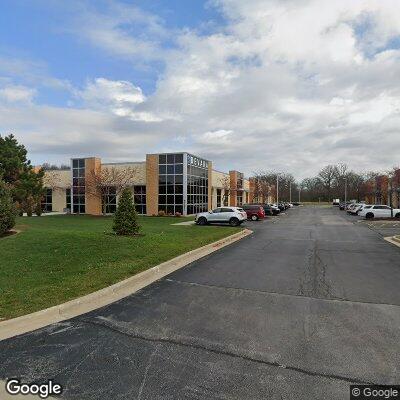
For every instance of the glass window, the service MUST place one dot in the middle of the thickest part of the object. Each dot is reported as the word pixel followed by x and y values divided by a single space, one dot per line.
pixel 47 201
pixel 140 199
pixel 178 189
pixel 68 198
pixel 178 158
pixel 162 159
pixel 170 189
pixel 178 199
pixel 109 200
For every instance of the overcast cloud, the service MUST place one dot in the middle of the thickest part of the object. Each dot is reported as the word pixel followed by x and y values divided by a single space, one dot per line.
pixel 285 85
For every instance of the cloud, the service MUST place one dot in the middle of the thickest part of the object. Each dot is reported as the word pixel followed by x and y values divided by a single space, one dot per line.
pixel 17 94
pixel 290 85
pixel 120 29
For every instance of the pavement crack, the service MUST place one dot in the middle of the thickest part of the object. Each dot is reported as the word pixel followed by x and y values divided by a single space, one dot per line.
pixel 314 282
pixel 266 292
pixel 219 351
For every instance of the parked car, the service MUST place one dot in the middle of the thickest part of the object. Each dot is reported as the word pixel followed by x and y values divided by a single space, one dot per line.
pixel 378 211
pixel 356 208
pixel 297 203
pixel 267 209
pixel 281 207
pixel 233 216
pixel 343 205
pixel 350 207
pixel 275 210
pixel 254 211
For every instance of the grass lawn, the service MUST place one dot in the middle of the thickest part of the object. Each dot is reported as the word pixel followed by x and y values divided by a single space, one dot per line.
pixel 57 258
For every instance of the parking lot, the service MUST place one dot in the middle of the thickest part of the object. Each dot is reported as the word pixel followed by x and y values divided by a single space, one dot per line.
pixel 305 306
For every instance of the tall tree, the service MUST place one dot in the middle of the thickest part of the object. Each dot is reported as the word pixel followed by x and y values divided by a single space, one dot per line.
pixel 327 176
pixel 13 159
pixel 26 184
pixel 7 209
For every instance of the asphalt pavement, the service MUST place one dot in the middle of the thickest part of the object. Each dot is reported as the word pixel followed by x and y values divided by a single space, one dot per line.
pixel 305 306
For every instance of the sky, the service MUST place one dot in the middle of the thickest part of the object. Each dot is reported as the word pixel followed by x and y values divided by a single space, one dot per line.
pixel 288 85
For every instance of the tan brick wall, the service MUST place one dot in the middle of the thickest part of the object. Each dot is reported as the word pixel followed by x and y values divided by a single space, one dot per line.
pixel 57 179
pixel 233 186
pixel 252 186
pixel 152 184
pixel 59 199
pixel 139 170
pixel 93 202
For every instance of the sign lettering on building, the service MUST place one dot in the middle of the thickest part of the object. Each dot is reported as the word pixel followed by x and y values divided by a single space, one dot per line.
pixel 196 161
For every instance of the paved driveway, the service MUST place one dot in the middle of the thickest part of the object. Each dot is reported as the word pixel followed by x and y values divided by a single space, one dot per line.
pixel 300 309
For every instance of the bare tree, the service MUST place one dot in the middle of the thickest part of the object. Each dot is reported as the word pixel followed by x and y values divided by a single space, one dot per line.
pixel 327 176
pixel 51 180
pixel 110 182
pixel 226 185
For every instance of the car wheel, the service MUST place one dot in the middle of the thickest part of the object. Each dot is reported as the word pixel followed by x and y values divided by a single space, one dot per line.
pixel 202 221
pixel 233 222
pixel 369 216
pixel 397 215
pixel 254 218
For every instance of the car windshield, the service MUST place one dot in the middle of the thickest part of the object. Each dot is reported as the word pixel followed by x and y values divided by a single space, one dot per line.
pixel 367 206
pixel 240 209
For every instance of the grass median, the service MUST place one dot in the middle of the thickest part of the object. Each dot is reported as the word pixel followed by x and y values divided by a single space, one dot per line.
pixel 58 258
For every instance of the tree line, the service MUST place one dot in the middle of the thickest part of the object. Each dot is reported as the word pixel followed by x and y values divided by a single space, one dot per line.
pixel 330 183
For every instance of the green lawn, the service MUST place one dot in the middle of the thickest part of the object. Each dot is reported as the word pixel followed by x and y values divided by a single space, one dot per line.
pixel 57 258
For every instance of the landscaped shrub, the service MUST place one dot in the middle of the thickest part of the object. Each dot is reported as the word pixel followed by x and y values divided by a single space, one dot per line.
pixel 7 209
pixel 161 213
pixel 126 217
pixel 178 214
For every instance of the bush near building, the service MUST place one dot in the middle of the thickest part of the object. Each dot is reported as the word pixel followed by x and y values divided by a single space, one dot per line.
pixel 7 209
pixel 126 217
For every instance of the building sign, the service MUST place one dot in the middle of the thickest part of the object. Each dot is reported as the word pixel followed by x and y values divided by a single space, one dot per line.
pixel 196 161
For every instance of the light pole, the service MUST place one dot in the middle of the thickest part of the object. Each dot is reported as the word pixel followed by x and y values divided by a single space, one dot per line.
pixel 290 192
pixel 345 192
pixel 391 197
pixel 299 193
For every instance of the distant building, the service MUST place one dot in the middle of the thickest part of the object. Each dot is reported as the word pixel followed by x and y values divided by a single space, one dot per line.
pixel 173 182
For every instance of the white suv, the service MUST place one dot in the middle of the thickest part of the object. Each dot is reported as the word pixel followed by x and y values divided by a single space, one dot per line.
pixel 379 211
pixel 234 216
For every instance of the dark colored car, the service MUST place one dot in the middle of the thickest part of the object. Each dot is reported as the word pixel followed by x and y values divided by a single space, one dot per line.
pixel 269 210
pixel 254 211
pixel 281 206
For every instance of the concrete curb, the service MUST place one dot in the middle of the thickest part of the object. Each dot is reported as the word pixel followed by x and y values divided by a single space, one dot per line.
pixel 393 240
pixel 110 294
